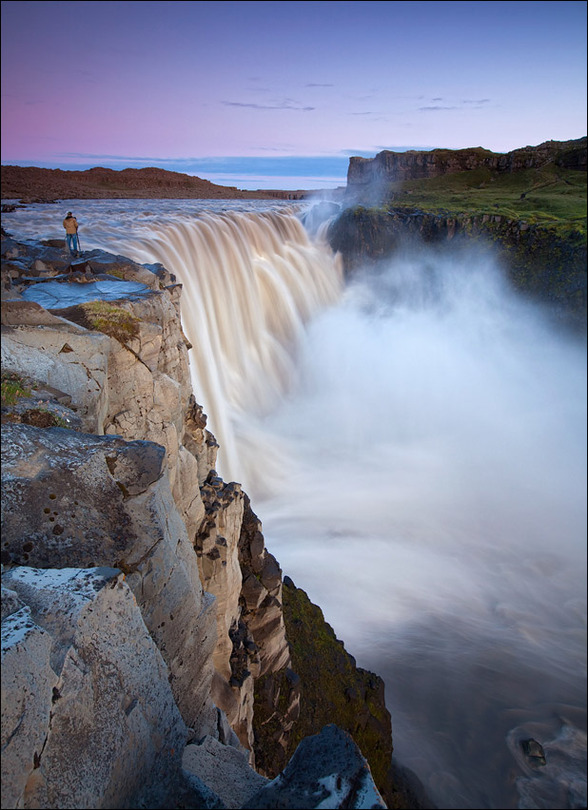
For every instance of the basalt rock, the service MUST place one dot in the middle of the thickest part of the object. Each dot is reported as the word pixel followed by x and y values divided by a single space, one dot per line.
pixel 369 177
pixel 540 264
pixel 329 684
pixel 327 770
pixel 88 715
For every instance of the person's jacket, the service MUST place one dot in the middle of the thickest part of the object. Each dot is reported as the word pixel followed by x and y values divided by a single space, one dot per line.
pixel 70 224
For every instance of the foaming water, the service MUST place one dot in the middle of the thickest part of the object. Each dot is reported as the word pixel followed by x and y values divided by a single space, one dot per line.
pixel 435 508
pixel 415 445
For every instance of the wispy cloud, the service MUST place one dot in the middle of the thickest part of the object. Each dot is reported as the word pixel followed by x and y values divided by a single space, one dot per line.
pixel 284 105
pixel 317 84
pixel 436 108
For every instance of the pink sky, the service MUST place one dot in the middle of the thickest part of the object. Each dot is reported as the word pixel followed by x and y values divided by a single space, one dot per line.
pixel 177 83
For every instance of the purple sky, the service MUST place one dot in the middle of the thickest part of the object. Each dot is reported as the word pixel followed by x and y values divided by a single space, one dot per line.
pixel 176 84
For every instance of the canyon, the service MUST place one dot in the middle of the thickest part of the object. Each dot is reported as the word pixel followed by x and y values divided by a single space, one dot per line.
pixel 136 580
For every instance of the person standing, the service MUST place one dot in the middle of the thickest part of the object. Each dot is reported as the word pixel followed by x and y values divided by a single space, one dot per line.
pixel 70 224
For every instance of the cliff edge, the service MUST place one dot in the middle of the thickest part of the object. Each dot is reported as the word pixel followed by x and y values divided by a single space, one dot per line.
pixel 141 611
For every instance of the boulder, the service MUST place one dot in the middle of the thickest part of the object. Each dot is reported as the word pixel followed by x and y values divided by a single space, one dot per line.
pixel 224 770
pixel 83 683
pixel 327 770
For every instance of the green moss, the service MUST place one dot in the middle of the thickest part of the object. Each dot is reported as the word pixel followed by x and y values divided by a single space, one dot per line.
pixel 332 688
pixel 549 194
pixel 14 386
pixel 111 319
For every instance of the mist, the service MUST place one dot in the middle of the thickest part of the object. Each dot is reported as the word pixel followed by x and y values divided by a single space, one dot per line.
pixel 428 490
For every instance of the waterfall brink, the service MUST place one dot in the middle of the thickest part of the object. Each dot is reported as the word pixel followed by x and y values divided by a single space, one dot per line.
pixel 251 283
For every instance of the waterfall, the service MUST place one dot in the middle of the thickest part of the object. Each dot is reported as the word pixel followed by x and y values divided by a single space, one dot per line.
pixel 415 445
pixel 251 281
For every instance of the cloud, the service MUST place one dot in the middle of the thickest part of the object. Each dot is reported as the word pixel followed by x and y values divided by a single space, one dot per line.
pixel 472 102
pixel 284 105
pixel 316 84
pixel 436 108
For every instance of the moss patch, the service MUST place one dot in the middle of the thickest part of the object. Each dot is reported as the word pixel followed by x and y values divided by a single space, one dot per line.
pixel 14 386
pixel 110 319
pixel 551 196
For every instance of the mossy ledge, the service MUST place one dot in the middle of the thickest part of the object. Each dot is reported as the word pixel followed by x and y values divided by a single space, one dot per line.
pixel 333 689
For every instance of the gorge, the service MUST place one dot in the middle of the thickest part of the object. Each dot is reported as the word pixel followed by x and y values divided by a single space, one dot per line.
pixel 413 441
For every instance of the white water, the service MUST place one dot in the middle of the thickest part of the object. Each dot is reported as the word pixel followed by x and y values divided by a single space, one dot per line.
pixel 415 445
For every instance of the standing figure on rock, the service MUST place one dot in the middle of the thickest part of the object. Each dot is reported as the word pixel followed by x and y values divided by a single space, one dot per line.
pixel 70 224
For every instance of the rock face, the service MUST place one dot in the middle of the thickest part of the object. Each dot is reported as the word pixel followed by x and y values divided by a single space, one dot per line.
pixel 140 605
pixel 388 167
pixel 331 685
pixel 539 264
pixel 327 770
pixel 92 690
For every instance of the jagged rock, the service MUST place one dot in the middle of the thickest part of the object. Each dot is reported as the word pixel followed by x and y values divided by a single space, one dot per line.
pixel 262 602
pixel 534 753
pixel 218 560
pixel 331 686
pixel 84 684
pixel 224 770
pixel 327 770
pixel 75 499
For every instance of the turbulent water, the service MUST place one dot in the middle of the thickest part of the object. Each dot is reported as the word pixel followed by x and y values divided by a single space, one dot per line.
pixel 415 445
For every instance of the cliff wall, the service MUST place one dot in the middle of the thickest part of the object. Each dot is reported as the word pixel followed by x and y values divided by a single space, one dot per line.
pixel 140 604
pixel 389 167
pixel 540 263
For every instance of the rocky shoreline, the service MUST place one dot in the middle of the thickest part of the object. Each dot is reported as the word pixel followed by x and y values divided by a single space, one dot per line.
pixel 147 649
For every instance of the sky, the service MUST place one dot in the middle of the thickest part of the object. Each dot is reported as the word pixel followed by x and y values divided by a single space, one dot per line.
pixel 281 94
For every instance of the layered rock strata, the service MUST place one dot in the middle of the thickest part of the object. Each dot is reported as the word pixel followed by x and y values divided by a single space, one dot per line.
pixel 390 167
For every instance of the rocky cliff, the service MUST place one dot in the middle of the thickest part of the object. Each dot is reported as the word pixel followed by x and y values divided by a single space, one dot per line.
pixel 388 167
pixel 528 206
pixel 548 267
pixel 143 621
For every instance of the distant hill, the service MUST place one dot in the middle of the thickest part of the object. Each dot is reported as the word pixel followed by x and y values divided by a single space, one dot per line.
pixel 30 183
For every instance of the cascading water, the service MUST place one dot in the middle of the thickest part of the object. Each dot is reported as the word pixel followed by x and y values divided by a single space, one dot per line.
pixel 250 286
pixel 415 445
